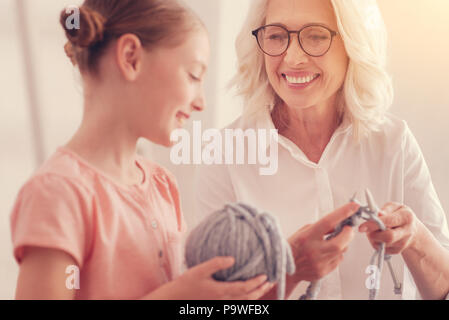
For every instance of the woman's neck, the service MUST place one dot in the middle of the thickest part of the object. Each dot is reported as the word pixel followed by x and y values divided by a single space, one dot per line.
pixel 310 129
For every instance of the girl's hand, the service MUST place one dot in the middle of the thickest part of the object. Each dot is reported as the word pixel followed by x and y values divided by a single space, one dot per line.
pixel 197 284
pixel 314 256
pixel 402 227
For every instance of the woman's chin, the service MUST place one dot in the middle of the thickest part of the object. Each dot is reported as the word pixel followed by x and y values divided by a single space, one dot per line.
pixel 298 104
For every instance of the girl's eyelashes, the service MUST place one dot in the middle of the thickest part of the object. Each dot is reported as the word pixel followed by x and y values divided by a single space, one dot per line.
pixel 195 78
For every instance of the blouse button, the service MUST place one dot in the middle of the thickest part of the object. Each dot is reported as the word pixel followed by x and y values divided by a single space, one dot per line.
pixel 154 224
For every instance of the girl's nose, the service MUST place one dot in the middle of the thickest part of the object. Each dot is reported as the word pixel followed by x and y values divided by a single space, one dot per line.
pixel 198 107
pixel 199 103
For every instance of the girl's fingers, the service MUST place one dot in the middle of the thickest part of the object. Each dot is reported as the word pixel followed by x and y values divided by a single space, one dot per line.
pixel 258 292
pixel 240 288
pixel 213 265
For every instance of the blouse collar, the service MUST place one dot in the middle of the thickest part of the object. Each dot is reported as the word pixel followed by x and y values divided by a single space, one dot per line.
pixel 265 121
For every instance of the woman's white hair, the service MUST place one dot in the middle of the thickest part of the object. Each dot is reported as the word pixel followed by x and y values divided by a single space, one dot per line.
pixel 367 91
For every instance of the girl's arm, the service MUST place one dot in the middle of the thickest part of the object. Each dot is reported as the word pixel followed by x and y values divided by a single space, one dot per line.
pixel 42 275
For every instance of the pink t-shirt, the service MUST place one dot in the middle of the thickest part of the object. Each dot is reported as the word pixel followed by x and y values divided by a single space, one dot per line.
pixel 126 240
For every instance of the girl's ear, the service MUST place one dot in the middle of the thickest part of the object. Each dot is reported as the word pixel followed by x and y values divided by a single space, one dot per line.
pixel 129 54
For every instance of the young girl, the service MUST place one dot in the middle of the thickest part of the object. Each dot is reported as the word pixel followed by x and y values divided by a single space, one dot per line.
pixel 95 205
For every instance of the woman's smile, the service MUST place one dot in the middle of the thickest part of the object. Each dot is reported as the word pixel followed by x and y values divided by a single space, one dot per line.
pixel 299 80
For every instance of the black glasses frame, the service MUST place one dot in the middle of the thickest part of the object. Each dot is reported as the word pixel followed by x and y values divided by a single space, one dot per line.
pixel 333 33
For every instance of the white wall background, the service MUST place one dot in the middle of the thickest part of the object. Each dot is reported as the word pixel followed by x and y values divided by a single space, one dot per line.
pixel 419 63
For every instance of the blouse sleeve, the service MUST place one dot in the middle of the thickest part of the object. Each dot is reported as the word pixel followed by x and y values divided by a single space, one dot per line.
pixel 419 192
pixel 214 189
pixel 52 212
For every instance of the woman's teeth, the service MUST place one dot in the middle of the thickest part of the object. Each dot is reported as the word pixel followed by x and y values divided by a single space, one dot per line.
pixel 301 80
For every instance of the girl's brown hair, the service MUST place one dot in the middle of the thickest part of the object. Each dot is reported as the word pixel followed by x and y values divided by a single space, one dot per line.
pixel 154 22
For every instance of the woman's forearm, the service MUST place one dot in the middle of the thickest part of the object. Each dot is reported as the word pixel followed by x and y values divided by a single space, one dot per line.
pixel 428 262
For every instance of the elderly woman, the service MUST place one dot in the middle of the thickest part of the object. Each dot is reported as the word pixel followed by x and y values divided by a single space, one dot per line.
pixel 315 71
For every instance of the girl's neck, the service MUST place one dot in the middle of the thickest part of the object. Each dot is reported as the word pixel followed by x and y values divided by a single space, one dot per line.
pixel 105 142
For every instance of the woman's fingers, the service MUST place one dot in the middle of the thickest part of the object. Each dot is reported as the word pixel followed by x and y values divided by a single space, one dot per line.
pixel 340 243
pixel 329 222
pixel 403 216
pixel 391 248
pixel 398 220
pixel 388 236
pixel 391 207
pixel 316 232
pixel 393 216
pixel 398 246
pixel 391 237
pixel 314 256
pixel 326 267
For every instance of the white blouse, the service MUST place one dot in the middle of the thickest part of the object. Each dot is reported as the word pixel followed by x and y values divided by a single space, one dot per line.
pixel 389 163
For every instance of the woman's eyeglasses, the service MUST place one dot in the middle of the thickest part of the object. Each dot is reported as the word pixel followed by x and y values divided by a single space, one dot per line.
pixel 274 40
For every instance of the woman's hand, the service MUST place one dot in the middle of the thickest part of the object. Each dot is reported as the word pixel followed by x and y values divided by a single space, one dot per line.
pixel 402 227
pixel 197 284
pixel 314 256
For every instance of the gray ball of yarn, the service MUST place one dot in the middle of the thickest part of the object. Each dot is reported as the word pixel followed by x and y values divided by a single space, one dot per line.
pixel 254 239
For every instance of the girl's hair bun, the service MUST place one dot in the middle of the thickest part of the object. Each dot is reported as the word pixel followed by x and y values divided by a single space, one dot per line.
pixel 154 22
pixel 91 28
